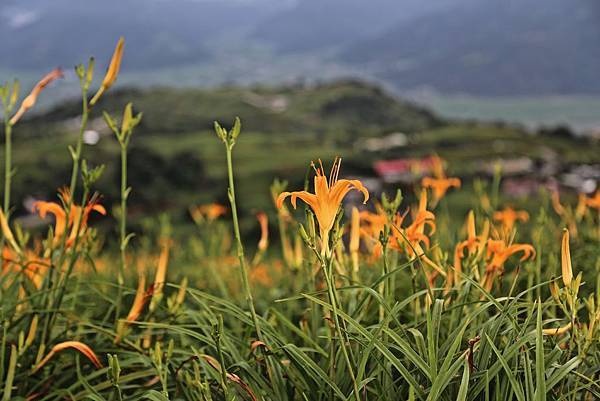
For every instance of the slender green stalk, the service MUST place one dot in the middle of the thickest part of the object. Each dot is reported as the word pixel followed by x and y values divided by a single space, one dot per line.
pixel 3 350
pixel 229 139
pixel 7 173
pixel 79 146
pixel 10 375
pixel 123 228
pixel 239 245
pixel 7 166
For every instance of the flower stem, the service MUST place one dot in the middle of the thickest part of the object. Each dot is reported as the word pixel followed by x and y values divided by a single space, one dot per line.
pixel 7 166
pixel 239 245
pixel 240 254
pixel 123 230
pixel 79 146
pixel 7 174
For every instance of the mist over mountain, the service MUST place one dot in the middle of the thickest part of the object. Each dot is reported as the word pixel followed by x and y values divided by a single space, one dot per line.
pixel 38 33
pixel 312 25
pixel 491 47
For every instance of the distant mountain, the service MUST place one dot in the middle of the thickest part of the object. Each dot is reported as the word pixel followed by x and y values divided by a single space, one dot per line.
pixel 489 47
pixel 492 47
pixel 353 108
pixel 36 34
pixel 311 25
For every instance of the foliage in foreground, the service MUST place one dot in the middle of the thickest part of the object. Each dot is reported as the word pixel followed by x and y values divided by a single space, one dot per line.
pixel 404 303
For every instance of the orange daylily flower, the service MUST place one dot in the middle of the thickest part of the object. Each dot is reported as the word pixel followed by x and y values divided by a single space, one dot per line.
pixel 209 212
pixel 112 72
pixel 263 220
pixel 77 216
pixel 437 166
pixel 31 99
pixel 326 200
pixel 17 260
pixel 260 275
pixel 79 346
pixel 473 244
pixel 410 238
pixel 440 186
pixel 562 211
pixel 28 262
pixel 570 217
pixel 439 183
pixel 372 224
pixel 498 253
pixel 508 217
pixel 556 205
pixel 142 295
pixel 581 206
pixel 594 201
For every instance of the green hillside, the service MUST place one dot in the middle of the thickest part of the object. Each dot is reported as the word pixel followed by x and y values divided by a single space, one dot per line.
pixel 176 160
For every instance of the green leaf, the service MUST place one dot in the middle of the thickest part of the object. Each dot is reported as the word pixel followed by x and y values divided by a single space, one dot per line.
pixel 516 386
pixel 464 383
pixel 154 396
pixel 540 366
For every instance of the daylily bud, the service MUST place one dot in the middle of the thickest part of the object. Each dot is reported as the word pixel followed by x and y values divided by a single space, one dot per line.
pixel 14 95
pixel 127 116
pixel 237 127
pixel 90 72
pixel 182 291
pixel 112 73
pixel 263 220
pixel 30 100
pixel 554 291
pixel 304 235
pixel 161 274
pixel 8 235
pixel 567 269
pixel 32 331
pixel 557 331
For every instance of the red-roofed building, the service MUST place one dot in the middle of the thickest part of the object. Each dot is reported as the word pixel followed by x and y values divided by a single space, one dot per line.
pixel 403 170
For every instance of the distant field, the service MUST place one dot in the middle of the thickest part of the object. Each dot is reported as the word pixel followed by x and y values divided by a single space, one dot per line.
pixel 580 112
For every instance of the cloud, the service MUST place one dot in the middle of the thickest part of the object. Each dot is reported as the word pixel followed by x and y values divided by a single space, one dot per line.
pixel 18 18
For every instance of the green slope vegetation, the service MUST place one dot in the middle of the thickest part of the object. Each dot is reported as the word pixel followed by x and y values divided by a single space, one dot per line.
pixel 176 160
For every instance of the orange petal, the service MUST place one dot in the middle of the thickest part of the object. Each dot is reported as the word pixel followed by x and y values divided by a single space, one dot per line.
pixel 79 346
pixel 342 187
pixel 355 231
